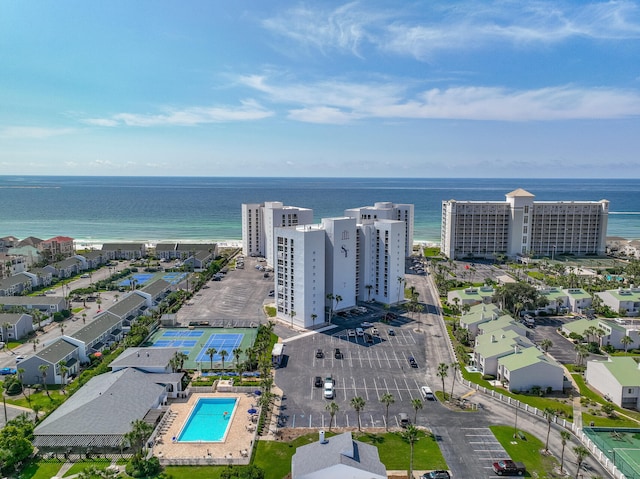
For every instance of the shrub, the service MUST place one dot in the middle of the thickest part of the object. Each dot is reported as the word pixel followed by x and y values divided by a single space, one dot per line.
pixel 488 377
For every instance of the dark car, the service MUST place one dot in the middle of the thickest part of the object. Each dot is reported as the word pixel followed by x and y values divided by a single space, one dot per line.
pixel 337 354
pixel 319 354
pixel 436 475
pixel 392 332
pixel 368 338
pixel 412 362
pixel 508 467
pixel 317 382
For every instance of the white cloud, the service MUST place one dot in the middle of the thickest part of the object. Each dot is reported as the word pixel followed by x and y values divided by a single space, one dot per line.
pixel 343 102
pixel 193 116
pixel 32 132
pixel 429 27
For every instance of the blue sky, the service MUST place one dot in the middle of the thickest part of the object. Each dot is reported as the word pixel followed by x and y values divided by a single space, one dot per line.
pixel 281 88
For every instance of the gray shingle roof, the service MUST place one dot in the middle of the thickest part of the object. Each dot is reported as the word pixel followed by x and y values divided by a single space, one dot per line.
pixel 122 246
pixel 338 450
pixel 11 318
pixel 157 287
pixel 56 351
pixel 107 404
pixel 125 305
pixel 33 301
pixel 144 358
pixel 96 328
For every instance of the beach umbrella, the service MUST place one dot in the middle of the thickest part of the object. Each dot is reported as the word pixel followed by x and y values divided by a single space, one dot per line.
pixel 252 411
pixel 98 354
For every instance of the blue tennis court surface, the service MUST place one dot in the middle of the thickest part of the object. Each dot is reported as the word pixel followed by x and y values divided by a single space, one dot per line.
pixel 191 334
pixel 174 278
pixel 141 278
pixel 176 343
pixel 219 342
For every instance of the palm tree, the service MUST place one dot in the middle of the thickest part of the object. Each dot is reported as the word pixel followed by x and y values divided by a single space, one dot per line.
pixel 35 344
pixel 61 326
pixel 23 389
pixel 36 408
pixel 137 437
pixel 442 373
pixel 400 289
pixel 84 318
pixel 546 344
pixel 369 288
pixel 581 453
pixel 417 405
pixel 337 298
pixel 63 373
pixel 626 341
pixel 582 352
pixel 236 354
pixel 223 354
pixel 314 316
pixel 43 370
pixel 564 437
pixel 387 399
pixel 549 414
pixel 358 403
pixel 454 369
pixel 330 297
pixel 333 408
pixel 211 352
pixel 410 435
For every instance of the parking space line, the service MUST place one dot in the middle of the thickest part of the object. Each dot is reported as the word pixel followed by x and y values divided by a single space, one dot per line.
pixel 397 388
pixel 370 362
pixel 408 388
pixel 385 384
pixel 366 389
pixel 375 384
pixel 388 360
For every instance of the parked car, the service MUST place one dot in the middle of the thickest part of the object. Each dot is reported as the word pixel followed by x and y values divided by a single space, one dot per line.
pixel 317 382
pixel 359 332
pixel 7 371
pixel 351 333
pixel 509 467
pixel 366 324
pixel 391 332
pixel 403 419
pixel 329 392
pixel 436 475
pixel 337 354
pixel 375 331
pixel 319 354
pixel 368 338
pixel 412 362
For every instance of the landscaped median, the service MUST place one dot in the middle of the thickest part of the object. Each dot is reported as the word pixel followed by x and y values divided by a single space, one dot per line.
pixel 527 450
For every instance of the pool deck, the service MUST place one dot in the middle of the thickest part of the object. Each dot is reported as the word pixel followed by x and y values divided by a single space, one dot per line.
pixel 235 449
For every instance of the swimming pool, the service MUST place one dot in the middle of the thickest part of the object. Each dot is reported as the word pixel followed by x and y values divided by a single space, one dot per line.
pixel 208 421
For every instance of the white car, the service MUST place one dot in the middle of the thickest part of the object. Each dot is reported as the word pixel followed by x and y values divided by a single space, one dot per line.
pixel 359 332
pixel 329 392
pixel 375 331
pixel 351 333
pixel 427 393
pixel 366 324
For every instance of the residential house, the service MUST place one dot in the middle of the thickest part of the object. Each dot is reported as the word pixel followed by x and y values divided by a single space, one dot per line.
pixel 96 418
pixel 491 347
pixel 504 322
pixel 615 330
pixel 100 334
pixel 16 284
pixel 127 251
pixel 11 264
pixel 618 378
pixel 337 456
pixel 31 253
pixel 557 300
pixel 44 277
pixel 578 300
pixel 530 367
pixel 15 326
pixel 93 258
pixel 57 248
pixel 46 304
pixel 200 260
pixel 44 365
pixel 155 292
pixel 478 315
pixel 625 302
pixel 471 296
pixel 67 267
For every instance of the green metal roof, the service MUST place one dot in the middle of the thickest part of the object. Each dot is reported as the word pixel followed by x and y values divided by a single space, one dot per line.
pixel 578 293
pixel 580 325
pixel 526 357
pixel 625 370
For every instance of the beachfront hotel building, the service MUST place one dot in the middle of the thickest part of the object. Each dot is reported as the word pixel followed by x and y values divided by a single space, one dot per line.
pixel 521 226
pixel 340 258
pixel 259 222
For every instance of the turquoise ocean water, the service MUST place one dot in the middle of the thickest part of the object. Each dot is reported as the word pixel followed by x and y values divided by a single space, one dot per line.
pixel 151 209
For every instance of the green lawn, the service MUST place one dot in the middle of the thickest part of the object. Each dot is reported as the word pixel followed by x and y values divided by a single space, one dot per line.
pixel 194 472
pixel 274 457
pixel 82 465
pixel 527 451
pixel 41 470
pixel 603 421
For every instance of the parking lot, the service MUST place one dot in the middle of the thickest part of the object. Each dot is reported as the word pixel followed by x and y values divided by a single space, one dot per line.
pixel 563 349
pixel 363 369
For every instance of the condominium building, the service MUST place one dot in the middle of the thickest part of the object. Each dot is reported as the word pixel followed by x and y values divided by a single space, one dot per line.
pixel 387 211
pixel 522 226
pixel 332 265
pixel 259 222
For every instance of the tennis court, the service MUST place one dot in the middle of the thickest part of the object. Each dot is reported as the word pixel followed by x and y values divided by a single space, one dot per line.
pixel 195 343
pixel 140 279
pixel 621 446
pixel 174 278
